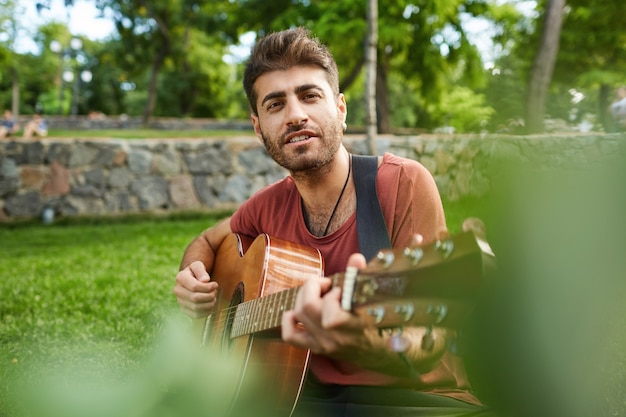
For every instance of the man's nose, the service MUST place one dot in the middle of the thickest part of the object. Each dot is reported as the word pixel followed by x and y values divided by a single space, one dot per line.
pixel 296 114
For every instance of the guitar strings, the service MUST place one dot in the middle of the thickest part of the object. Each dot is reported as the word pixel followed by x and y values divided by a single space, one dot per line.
pixel 286 300
pixel 230 313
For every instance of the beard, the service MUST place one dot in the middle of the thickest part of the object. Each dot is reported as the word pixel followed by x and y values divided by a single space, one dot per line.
pixel 302 158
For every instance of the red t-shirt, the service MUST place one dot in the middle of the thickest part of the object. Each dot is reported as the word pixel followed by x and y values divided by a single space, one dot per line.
pixel 411 204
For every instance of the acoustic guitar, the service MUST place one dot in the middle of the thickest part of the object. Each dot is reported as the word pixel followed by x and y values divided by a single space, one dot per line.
pixel 431 285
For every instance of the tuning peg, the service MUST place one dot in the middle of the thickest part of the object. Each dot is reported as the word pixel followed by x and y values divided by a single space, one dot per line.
pixel 428 342
pixel 407 310
pixel 377 312
pixel 414 254
pixel 386 258
pixel 437 312
pixel 445 247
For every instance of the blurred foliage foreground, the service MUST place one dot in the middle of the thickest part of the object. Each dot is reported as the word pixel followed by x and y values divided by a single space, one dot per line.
pixel 546 340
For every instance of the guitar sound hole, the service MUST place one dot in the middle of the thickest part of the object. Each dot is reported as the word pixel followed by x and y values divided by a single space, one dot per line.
pixel 235 300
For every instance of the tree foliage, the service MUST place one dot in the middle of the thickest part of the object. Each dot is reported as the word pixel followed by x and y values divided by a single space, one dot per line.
pixel 420 43
pixel 167 58
pixel 597 63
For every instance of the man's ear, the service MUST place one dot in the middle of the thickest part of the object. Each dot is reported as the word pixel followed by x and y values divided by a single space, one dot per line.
pixel 257 126
pixel 342 107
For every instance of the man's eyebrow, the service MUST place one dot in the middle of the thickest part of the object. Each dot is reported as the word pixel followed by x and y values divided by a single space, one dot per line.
pixel 307 87
pixel 273 95
pixel 298 90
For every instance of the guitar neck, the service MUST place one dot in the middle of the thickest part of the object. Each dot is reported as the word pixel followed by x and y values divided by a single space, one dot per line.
pixel 434 284
pixel 262 314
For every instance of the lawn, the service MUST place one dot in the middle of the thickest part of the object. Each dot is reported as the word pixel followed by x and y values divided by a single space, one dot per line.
pixel 145 133
pixel 91 299
pixel 99 288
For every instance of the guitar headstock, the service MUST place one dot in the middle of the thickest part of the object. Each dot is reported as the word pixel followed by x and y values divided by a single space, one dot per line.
pixel 433 284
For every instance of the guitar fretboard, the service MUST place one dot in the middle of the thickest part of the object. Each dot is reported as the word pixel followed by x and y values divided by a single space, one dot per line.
pixel 264 313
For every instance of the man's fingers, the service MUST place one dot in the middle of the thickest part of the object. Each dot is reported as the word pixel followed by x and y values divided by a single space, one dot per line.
pixel 293 332
pixel 357 260
pixel 198 270
pixel 333 316
pixel 187 282
pixel 195 292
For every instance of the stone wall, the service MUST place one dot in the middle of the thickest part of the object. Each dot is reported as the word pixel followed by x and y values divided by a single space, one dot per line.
pixel 109 176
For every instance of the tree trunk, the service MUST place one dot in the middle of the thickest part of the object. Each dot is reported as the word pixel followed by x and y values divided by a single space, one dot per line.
pixel 543 66
pixel 157 63
pixel 352 75
pixel 371 48
pixel 152 87
pixel 382 99
pixel 15 92
pixel 604 103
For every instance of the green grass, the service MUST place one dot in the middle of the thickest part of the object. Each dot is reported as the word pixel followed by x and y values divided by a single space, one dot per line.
pixel 91 297
pixel 97 287
pixel 145 133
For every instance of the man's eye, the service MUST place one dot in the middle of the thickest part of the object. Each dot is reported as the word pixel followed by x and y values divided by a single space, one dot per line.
pixel 311 96
pixel 275 105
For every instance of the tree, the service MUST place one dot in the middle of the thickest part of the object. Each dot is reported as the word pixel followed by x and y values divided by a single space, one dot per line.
pixel 543 66
pixel 420 43
pixel 598 62
pixel 167 56
pixel 60 53
pixel 371 50
pixel 11 26
pixel 162 33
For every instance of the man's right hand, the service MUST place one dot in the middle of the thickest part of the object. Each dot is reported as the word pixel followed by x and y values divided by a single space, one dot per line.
pixel 195 292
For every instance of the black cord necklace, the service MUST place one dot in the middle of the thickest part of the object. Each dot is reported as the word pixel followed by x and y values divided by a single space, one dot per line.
pixel 345 184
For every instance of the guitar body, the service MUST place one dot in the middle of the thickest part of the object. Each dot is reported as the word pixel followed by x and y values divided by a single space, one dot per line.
pixel 247 270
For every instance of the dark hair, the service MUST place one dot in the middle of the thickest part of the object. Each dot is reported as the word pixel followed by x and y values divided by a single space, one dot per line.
pixel 282 50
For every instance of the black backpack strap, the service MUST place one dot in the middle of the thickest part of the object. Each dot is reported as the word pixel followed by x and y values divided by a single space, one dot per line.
pixel 370 223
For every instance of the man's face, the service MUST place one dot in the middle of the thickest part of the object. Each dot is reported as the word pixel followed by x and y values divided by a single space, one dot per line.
pixel 300 119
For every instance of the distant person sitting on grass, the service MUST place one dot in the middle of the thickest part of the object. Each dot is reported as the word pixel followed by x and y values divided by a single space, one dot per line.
pixel 618 110
pixel 36 127
pixel 8 125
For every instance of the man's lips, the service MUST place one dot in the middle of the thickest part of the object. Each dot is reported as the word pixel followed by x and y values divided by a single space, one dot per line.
pixel 299 136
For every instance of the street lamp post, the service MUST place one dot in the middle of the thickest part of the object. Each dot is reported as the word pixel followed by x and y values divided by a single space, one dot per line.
pixel 84 77
pixel 57 48
pixel 70 73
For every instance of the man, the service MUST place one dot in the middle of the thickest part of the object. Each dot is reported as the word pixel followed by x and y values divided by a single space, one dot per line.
pixel 8 125
pixel 291 82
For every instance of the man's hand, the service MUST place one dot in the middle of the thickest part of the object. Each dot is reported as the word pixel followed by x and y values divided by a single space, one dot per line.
pixel 195 292
pixel 318 323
